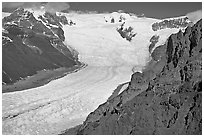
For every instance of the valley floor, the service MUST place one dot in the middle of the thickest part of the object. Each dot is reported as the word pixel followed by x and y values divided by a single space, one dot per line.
pixel 41 78
pixel 62 103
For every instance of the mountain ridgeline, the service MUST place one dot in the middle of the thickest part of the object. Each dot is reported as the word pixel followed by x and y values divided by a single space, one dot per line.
pixel 180 22
pixel 31 44
pixel 166 98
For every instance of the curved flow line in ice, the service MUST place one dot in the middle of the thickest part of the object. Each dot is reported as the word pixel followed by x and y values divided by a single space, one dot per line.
pixel 66 102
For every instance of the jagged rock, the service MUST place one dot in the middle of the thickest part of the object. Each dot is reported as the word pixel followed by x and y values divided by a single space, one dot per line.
pixel 55 20
pixel 29 45
pixel 171 23
pixel 170 104
pixel 126 33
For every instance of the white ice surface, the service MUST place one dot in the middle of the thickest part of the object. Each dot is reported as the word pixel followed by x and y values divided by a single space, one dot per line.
pixel 65 102
pixel 5 14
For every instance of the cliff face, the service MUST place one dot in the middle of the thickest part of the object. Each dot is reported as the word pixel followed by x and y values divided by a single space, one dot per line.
pixel 165 99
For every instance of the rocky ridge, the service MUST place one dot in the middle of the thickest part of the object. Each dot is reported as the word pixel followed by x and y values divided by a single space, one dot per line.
pixel 32 43
pixel 181 22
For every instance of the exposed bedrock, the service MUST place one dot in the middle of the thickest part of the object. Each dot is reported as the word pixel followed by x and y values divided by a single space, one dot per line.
pixel 31 44
pixel 171 23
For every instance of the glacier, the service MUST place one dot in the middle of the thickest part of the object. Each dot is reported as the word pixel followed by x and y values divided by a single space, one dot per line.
pixel 66 102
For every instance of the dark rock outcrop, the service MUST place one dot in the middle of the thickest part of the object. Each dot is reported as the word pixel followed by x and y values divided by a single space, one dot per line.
pixel 28 45
pixel 166 98
pixel 171 23
pixel 126 33
pixel 154 39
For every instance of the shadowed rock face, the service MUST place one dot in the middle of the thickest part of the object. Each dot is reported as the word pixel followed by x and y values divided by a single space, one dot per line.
pixel 29 45
pixel 165 99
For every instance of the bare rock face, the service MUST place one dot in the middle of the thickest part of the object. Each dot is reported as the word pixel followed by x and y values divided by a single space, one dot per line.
pixel 158 52
pixel 171 23
pixel 165 99
pixel 31 44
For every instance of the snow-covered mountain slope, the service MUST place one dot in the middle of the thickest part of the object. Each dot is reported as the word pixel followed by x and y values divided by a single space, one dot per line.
pixel 117 17
pixel 100 43
pixel 65 102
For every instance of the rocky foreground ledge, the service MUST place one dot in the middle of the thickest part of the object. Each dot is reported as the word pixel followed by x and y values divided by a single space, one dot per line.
pixel 165 99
